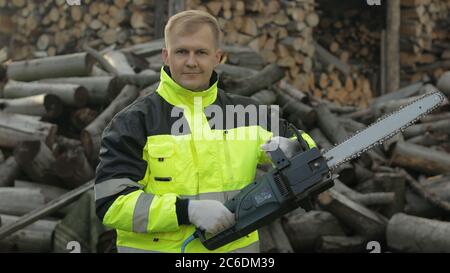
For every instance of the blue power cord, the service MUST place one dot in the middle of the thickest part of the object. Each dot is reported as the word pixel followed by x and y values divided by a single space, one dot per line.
pixel 187 241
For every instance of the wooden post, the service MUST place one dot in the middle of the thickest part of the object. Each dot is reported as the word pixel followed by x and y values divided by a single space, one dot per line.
pixel 393 46
pixel 160 18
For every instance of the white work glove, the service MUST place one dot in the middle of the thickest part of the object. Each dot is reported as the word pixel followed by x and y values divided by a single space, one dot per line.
pixel 288 146
pixel 210 215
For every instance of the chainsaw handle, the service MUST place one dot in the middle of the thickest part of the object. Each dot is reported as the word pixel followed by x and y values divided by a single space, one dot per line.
pixel 298 133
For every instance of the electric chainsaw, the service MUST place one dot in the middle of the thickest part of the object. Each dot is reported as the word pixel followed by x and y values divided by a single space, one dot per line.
pixel 295 182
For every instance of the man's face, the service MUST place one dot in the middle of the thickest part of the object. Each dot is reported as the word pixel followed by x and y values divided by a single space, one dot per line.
pixel 192 57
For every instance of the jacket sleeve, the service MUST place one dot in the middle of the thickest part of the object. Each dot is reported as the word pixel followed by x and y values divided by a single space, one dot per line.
pixel 121 202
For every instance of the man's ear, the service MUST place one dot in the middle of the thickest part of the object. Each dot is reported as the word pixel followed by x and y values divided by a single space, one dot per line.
pixel 165 56
pixel 219 54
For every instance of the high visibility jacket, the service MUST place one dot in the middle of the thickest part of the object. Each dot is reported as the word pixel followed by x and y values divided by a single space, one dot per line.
pixel 164 149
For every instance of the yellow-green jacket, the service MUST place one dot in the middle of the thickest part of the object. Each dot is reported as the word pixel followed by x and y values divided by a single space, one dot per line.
pixel 168 147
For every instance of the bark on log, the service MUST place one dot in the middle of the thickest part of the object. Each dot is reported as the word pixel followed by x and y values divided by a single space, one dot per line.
pixel 70 94
pixel 43 211
pixel 420 158
pixel 15 128
pixel 91 135
pixel 366 199
pixel 8 172
pixel 340 244
pixel 16 201
pixel 393 46
pixel 97 87
pixel 37 160
pixel 402 93
pixel 229 70
pixel 442 126
pixel 265 97
pixel 293 92
pixel 139 80
pixel 100 59
pixel 248 86
pixel 408 233
pixel 329 124
pixel 73 167
pixel 35 238
pixel 327 58
pixel 71 65
pixel 428 139
pixel 280 237
pixel 365 222
pixel 394 183
pixel 430 196
pixel 49 192
pixel 44 105
pixel 302 111
pixel 303 230
pixel 267 244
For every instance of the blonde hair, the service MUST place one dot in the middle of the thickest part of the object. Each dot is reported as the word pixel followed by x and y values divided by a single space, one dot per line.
pixel 189 20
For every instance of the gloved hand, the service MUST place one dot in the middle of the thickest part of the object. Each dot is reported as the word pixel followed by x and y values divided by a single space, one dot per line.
pixel 210 215
pixel 288 146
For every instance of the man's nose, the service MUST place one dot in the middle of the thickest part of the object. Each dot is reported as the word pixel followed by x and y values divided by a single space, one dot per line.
pixel 191 61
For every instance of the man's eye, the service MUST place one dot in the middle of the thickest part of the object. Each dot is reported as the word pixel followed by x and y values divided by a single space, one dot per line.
pixel 181 51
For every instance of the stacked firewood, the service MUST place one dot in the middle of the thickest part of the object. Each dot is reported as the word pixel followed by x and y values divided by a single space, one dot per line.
pixel 48 28
pixel 54 110
pixel 424 38
pixel 348 55
pixel 280 31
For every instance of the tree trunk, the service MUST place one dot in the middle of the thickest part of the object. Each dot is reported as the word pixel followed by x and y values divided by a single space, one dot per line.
pixel 49 192
pixel 44 105
pixel 304 230
pixel 442 126
pixel 364 221
pixel 38 237
pixel 97 87
pixel 19 201
pixel 329 124
pixel 70 94
pixel 8 172
pixel 15 128
pixel 407 233
pixel 71 65
pixel 37 160
pixel 420 158
pixel 73 167
pixel 340 244
pixel 248 86
pixel 393 45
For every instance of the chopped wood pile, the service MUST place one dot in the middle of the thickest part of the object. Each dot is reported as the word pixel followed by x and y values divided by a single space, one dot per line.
pixel 52 117
pixel 348 55
pixel 424 38
pixel 49 28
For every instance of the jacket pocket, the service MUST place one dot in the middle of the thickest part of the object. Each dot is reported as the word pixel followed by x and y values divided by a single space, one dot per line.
pixel 162 165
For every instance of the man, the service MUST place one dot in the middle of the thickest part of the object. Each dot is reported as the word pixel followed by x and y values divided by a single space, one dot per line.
pixel 156 184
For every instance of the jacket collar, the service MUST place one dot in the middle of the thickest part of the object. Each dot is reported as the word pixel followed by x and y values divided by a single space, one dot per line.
pixel 177 95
